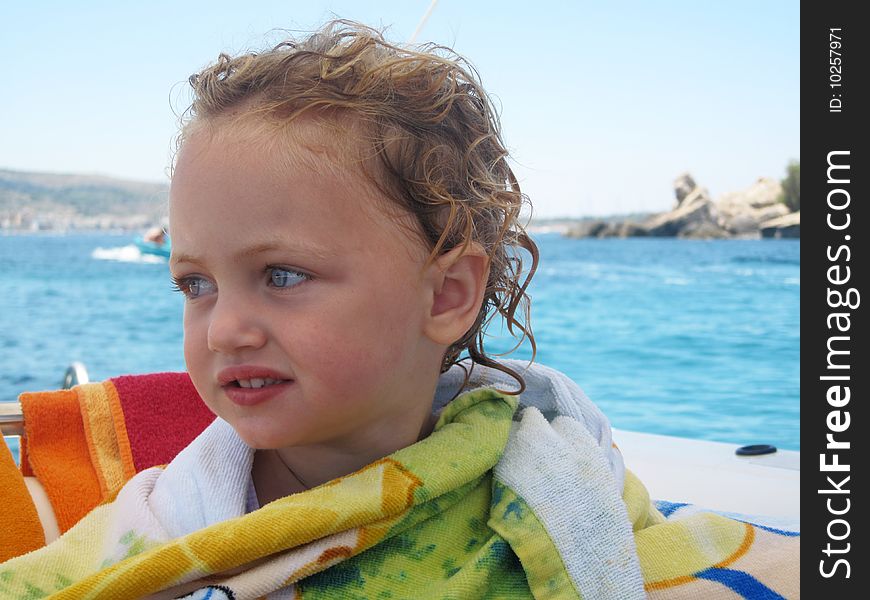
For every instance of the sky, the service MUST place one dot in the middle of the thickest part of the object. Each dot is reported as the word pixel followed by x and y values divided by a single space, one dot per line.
pixel 603 103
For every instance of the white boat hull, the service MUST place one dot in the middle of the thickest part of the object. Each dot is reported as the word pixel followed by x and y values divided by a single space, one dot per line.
pixel 710 475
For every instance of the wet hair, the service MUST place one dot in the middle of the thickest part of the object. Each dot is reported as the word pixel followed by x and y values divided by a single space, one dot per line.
pixel 432 130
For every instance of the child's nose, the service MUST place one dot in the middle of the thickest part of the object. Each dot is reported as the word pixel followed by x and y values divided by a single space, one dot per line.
pixel 234 326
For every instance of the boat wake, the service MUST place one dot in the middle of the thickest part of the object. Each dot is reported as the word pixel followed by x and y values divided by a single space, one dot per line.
pixel 127 254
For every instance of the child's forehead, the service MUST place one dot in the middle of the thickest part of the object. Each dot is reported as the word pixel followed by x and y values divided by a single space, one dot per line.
pixel 336 151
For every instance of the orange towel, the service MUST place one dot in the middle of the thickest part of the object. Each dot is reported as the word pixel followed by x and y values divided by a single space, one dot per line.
pixel 21 531
pixel 57 453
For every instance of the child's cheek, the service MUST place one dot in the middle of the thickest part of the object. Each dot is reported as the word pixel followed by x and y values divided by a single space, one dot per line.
pixel 361 357
pixel 197 356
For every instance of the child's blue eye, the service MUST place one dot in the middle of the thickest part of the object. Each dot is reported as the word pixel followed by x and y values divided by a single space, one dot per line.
pixel 193 286
pixel 285 278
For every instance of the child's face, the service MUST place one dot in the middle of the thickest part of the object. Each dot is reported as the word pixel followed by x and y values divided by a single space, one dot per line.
pixel 300 277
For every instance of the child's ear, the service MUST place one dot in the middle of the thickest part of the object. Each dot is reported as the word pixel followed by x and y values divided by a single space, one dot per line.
pixel 457 281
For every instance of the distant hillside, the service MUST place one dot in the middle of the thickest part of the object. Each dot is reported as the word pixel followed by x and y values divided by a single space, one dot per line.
pixel 55 201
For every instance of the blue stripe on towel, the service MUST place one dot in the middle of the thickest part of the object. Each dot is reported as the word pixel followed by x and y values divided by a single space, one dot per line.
pixel 669 508
pixel 741 582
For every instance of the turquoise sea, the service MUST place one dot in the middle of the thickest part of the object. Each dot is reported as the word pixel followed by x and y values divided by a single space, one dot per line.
pixel 691 338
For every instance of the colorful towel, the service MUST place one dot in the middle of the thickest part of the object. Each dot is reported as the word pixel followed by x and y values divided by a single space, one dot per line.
pixel 20 530
pixel 84 444
pixel 698 554
pixel 496 503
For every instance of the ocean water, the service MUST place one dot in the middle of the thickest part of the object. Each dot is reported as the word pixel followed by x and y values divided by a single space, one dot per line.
pixel 699 339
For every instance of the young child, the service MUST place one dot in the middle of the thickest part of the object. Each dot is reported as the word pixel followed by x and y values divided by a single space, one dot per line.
pixel 345 225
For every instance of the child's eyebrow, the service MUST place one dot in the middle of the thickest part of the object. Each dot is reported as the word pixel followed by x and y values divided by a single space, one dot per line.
pixel 295 248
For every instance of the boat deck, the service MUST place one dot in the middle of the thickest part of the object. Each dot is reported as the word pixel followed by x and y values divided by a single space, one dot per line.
pixel 710 475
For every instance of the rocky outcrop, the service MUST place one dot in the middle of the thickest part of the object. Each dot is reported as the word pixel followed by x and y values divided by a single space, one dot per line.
pixel 788 226
pixel 748 213
pixel 695 215
pixel 632 229
pixel 684 185
pixel 603 228
pixel 742 213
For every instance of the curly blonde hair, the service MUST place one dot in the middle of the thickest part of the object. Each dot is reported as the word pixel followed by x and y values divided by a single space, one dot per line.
pixel 433 130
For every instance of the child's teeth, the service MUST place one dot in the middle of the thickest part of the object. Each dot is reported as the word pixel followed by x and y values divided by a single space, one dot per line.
pixel 257 382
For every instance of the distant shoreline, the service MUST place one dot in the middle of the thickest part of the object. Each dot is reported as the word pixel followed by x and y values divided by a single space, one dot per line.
pixel 561 230
pixel 39 203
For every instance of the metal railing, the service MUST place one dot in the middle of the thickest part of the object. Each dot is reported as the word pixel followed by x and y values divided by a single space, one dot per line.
pixel 11 419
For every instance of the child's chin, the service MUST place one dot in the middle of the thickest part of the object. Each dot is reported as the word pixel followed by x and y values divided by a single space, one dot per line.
pixel 258 441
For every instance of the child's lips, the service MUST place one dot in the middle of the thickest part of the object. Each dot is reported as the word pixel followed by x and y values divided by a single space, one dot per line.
pixel 247 385
pixel 250 396
pixel 242 376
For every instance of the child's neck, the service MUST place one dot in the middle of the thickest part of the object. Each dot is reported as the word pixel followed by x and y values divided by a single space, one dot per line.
pixel 280 473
